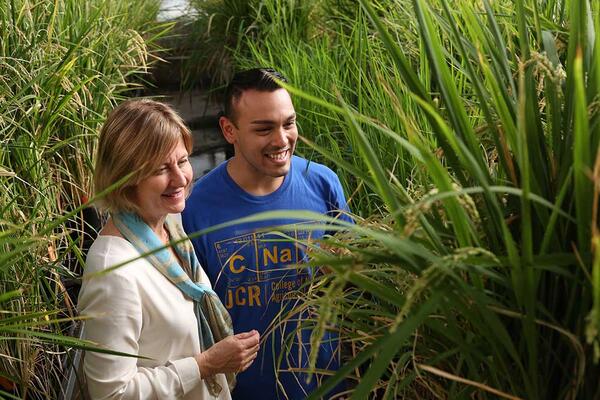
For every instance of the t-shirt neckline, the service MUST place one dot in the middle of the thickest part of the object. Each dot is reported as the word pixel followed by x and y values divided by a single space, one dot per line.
pixel 237 189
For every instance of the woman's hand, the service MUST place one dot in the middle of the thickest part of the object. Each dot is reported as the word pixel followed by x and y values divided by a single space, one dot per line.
pixel 232 354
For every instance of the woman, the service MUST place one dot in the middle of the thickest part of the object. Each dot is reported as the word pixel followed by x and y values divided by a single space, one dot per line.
pixel 159 306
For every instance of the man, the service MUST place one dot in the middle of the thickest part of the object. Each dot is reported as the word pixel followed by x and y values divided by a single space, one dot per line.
pixel 255 271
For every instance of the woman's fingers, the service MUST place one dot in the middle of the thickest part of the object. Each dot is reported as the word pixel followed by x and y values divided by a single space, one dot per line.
pixel 253 349
pixel 251 353
pixel 244 335
pixel 246 366
pixel 232 354
pixel 248 339
pixel 248 357
pixel 248 362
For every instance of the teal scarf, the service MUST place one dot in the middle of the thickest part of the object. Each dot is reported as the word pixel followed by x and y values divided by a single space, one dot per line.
pixel 214 322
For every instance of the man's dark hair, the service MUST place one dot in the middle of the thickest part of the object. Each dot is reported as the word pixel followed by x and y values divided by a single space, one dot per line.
pixel 261 79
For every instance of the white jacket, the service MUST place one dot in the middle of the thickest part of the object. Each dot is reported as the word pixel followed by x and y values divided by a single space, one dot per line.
pixel 137 310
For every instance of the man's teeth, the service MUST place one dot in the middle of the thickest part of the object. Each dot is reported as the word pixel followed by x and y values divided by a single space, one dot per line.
pixel 278 156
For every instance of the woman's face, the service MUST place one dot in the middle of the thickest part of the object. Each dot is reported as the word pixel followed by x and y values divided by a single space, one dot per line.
pixel 164 192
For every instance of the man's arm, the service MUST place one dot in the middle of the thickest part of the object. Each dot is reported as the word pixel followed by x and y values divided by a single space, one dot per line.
pixel 338 206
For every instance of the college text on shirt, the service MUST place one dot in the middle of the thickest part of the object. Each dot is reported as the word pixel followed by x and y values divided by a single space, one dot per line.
pixel 262 267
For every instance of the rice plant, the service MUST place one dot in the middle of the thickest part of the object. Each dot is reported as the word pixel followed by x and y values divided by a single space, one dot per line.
pixel 221 29
pixel 63 65
pixel 478 277
pixel 336 56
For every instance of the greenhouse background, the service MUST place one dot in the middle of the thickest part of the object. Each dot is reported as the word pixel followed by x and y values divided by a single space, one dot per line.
pixel 465 133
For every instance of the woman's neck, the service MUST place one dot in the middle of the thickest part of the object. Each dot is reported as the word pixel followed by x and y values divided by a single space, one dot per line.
pixel 109 229
pixel 158 227
pixel 157 224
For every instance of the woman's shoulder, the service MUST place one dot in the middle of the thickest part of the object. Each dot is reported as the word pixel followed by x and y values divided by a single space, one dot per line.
pixel 109 229
pixel 108 251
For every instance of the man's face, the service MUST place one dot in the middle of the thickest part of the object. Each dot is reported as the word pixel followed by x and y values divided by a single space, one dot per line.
pixel 263 133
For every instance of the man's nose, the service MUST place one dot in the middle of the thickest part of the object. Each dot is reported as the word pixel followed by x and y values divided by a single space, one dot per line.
pixel 280 137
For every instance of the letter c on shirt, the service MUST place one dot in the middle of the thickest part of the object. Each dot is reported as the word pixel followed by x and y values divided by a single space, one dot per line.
pixel 232 266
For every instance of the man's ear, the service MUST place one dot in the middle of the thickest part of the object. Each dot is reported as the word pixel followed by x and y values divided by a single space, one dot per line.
pixel 227 128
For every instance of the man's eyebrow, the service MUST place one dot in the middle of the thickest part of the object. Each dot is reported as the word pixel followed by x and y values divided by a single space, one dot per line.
pixel 269 121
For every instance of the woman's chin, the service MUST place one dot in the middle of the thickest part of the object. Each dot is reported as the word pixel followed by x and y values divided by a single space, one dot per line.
pixel 173 207
pixel 176 209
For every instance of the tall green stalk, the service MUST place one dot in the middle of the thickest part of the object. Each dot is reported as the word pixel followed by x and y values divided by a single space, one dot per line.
pixel 468 130
pixel 63 64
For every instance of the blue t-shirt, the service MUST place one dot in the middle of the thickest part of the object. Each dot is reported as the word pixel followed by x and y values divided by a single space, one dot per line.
pixel 252 271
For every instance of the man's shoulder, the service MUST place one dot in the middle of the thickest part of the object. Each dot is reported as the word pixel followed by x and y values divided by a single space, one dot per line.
pixel 316 177
pixel 209 183
pixel 204 198
pixel 311 170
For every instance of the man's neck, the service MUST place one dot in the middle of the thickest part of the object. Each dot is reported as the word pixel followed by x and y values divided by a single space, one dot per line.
pixel 253 183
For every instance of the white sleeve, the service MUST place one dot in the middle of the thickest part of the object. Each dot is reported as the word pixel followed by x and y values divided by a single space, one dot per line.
pixel 113 302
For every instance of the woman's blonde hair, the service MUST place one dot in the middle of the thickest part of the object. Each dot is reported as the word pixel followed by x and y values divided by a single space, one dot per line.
pixel 135 139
